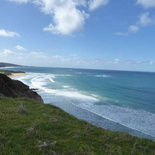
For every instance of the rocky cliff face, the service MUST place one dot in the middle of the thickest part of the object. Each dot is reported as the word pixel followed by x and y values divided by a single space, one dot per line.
pixel 16 89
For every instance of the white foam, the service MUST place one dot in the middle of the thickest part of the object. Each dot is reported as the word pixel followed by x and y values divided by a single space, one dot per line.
pixel 40 82
pixel 25 78
pixel 78 96
pixel 62 75
pixel 36 80
pixel 135 119
pixel 103 75
pixel 52 80
pixel 74 95
pixel 66 86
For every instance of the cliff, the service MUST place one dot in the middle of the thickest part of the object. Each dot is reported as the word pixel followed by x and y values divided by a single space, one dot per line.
pixel 16 89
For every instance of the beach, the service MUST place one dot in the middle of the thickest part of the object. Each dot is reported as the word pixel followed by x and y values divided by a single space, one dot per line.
pixel 17 74
pixel 11 73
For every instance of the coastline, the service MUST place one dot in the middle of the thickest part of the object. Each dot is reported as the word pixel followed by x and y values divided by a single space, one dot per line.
pixel 85 114
pixel 16 74
pixel 92 118
pixel 12 73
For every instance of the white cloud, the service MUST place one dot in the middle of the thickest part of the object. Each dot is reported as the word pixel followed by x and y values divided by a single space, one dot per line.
pixel 7 52
pixel 38 55
pixel 56 57
pixel 94 4
pixel 6 33
pixel 133 28
pixel 116 61
pixel 68 16
pixel 19 1
pixel 145 19
pixel 20 48
pixel 66 23
pixel 146 3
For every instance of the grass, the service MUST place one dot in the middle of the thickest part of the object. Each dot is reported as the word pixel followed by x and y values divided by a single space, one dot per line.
pixel 28 127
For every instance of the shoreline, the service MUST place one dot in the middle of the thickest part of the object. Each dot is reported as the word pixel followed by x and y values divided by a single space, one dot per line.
pixel 12 73
pixel 16 74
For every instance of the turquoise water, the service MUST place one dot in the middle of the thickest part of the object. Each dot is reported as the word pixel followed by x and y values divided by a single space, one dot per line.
pixel 116 100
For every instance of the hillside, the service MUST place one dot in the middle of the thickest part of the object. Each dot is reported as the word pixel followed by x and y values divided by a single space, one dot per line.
pixel 2 64
pixel 29 127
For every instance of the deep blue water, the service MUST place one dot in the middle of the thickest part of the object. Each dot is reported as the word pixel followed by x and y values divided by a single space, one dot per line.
pixel 116 100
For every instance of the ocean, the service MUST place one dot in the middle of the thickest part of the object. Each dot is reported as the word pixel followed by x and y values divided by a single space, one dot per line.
pixel 116 100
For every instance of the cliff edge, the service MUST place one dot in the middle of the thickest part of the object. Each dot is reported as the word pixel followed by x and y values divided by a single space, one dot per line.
pixel 16 89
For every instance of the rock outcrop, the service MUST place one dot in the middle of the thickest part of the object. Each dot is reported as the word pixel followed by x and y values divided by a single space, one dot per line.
pixel 16 89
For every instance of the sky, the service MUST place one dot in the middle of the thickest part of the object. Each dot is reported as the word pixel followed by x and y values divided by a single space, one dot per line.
pixel 94 34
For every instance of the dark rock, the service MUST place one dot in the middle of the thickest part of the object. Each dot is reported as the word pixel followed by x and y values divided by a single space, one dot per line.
pixel 34 89
pixel 16 89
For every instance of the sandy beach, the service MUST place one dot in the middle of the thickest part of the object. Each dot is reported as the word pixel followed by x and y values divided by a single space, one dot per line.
pixel 16 74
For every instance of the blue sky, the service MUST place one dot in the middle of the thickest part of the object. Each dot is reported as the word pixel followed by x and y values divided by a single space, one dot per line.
pixel 97 34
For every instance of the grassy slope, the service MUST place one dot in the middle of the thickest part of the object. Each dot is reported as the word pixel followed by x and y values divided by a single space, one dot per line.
pixel 24 133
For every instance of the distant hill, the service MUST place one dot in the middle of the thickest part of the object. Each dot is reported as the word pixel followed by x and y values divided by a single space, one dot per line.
pixel 2 64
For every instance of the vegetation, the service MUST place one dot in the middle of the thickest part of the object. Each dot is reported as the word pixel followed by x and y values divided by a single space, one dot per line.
pixel 2 64
pixel 7 72
pixel 30 127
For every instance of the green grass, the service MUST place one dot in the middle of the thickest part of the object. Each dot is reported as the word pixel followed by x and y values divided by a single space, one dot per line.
pixel 25 125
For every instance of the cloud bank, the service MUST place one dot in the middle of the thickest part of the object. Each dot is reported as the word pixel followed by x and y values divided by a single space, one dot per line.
pixel 34 59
